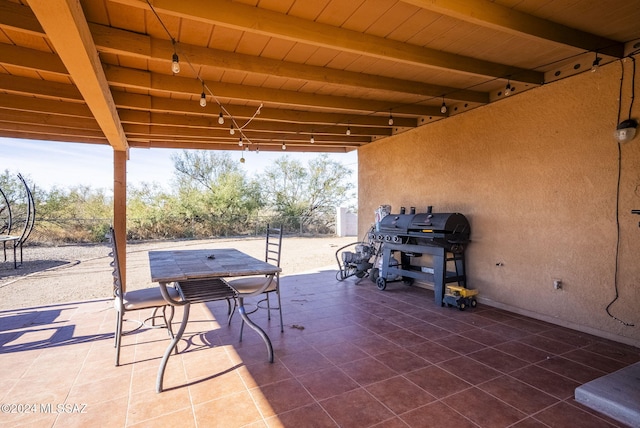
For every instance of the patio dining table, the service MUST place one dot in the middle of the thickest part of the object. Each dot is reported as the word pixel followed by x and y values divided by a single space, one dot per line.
pixel 199 277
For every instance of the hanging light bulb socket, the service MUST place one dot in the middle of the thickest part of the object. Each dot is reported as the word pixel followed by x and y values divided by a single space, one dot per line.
pixel 390 118
pixel 348 130
pixel 175 63
pixel 508 89
pixel 232 130
pixel 221 119
pixel 443 107
pixel 596 63
pixel 240 141
pixel 284 146
pixel 313 140
pixel 203 100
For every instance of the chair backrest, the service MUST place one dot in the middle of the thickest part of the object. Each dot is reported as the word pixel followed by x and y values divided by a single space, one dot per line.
pixel 115 264
pixel 274 244
pixel 30 221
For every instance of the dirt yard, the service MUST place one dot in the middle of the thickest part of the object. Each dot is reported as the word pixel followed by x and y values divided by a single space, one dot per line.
pixel 81 272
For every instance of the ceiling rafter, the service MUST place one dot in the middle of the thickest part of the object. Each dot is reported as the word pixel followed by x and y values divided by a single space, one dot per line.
pixel 266 22
pixel 491 14
pixel 68 31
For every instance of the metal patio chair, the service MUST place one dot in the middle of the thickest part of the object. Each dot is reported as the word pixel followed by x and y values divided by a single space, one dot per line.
pixel 146 298
pixel 248 285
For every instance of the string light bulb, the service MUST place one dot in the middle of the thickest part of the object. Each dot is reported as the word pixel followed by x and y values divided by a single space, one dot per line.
pixel 443 107
pixel 348 130
pixel 242 158
pixel 313 140
pixel 221 119
pixel 508 89
pixel 596 63
pixel 231 129
pixel 203 100
pixel 175 63
pixel 240 141
pixel 284 146
pixel 390 118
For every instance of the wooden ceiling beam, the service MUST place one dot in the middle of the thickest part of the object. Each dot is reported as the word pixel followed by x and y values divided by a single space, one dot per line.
pixel 16 116
pixel 183 122
pixel 121 42
pixel 41 105
pixel 30 87
pixel 263 147
pixel 68 32
pixel 163 132
pixel 496 16
pixel 137 79
pixel 262 21
pixel 31 59
pixel 126 100
pixel 44 135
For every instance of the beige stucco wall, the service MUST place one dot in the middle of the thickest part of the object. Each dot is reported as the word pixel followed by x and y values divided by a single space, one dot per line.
pixel 536 175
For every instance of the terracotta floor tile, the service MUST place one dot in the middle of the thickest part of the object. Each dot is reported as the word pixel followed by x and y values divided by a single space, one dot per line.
pixel 356 409
pixel 367 371
pixel 549 382
pixel 498 360
pixel 433 352
pixel 470 370
pixel 402 361
pixel 312 416
pixel 595 360
pixel 483 409
pixel 571 369
pixel 566 415
pixel 523 397
pixel 399 394
pixel 436 415
pixel 414 372
pixel 280 397
pixel 343 353
pixel 460 344
pixel 305 362
pixel 327 383
pixel 234 410
pixel 523 351
pixel 437 382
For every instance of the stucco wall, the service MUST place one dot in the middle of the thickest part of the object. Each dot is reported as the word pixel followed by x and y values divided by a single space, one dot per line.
pixel 536 175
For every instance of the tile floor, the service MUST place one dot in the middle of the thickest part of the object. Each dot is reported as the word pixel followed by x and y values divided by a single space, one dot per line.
pixel 350 356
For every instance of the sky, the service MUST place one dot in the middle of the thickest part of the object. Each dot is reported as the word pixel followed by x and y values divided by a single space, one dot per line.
pixel 50 163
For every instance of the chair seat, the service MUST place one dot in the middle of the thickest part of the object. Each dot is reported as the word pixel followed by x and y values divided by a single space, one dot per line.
pixel 250 284
pixel 146 298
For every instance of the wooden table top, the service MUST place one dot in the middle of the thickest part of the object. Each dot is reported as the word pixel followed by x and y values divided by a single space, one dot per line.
pixel 180 265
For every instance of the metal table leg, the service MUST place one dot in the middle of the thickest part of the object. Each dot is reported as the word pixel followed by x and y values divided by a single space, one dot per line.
pixel 254 326
pixel 172 345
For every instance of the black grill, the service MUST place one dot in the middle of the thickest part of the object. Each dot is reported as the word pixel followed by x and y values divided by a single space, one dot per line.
pixel 443 236
pixel 447 230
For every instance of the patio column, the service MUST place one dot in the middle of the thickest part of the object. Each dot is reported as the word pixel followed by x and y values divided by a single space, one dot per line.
pixel 120 209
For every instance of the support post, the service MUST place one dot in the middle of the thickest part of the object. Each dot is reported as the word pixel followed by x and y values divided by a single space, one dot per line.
pixel 120 209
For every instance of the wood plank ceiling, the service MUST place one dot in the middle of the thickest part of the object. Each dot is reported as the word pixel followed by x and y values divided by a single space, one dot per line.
pixel 314 75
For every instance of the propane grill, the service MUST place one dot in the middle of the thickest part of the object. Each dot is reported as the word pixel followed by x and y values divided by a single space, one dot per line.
pixel 447 230
pixel 443 236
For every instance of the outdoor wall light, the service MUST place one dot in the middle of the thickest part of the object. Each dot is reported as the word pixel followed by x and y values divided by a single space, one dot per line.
pixel 626 130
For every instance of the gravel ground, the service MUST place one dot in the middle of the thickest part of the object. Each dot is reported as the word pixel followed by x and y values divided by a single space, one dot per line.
pixel 51 275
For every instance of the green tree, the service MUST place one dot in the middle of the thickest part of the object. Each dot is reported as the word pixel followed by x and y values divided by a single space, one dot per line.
pixel 307 194
pixel 212 186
